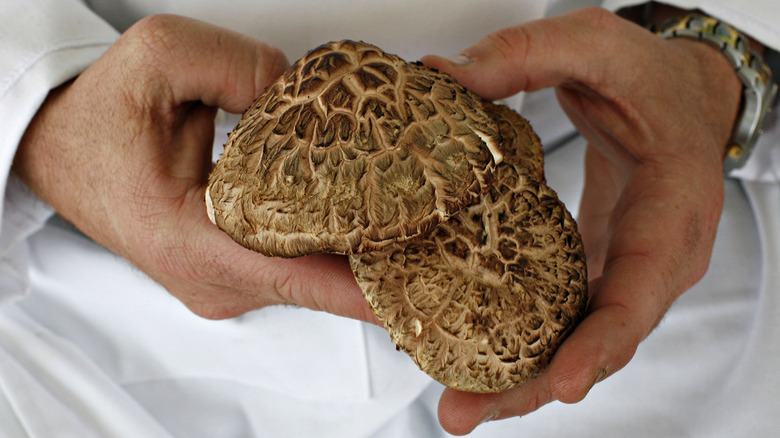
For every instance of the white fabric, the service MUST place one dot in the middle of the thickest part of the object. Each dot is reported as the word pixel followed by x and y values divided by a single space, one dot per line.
pixel 329 369
pixel 97 349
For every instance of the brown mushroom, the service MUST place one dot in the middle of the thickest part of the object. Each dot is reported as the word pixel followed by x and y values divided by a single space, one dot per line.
pixel 351 149
pixel 355 151
pixel 483 301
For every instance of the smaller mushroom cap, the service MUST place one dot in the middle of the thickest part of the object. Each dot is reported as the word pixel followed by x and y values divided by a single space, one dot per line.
pixel 483 301
pixel 350 150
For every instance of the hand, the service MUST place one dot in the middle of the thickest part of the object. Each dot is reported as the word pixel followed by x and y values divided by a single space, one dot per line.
pixel 657 115
pixel 123 152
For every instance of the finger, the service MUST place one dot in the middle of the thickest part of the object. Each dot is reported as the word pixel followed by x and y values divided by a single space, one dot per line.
pixel 540 54
pixel 213 65
pixel 224 279
pixel 461 412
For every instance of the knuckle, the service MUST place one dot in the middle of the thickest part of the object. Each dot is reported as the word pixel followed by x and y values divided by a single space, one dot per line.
pixel 510 43
pixel 286 286
pixel 572 392
pixel 148 49
pixel 152 43
pixel 509 47
pixel 507 40
pixel 155 32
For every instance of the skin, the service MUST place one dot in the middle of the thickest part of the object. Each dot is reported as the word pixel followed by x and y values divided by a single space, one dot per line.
pixel 124 150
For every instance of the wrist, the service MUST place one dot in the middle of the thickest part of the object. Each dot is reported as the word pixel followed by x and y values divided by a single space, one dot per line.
pixel 758 87
pixel 744 57
pixel 716 74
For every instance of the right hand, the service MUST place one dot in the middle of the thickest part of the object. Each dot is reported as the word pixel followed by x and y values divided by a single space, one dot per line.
pixel 123 152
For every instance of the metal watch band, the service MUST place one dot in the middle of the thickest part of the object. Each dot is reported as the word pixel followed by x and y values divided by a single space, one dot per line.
pixel 759 90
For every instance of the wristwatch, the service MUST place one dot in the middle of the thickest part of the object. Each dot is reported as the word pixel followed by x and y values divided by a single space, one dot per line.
pixel 757 84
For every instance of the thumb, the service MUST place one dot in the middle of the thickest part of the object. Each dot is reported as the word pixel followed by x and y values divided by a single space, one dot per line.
pixel 539 54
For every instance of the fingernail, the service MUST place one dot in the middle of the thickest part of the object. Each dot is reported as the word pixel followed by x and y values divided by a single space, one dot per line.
pixel 490 416
pixel 461 59
pixel 602 373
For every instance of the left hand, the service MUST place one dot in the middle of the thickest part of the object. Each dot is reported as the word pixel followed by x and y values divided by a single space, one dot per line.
pixel 657 115
pixel 123 153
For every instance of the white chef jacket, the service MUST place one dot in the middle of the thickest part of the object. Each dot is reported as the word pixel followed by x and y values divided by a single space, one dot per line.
pixel 89 346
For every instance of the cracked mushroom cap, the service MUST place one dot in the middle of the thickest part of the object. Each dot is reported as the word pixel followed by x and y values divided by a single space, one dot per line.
pixel 520 145
pixel 483 301
pixel 350 150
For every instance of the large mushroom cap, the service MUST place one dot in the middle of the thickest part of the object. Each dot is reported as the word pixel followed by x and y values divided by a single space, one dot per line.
pixel 483 301
pixel 350 150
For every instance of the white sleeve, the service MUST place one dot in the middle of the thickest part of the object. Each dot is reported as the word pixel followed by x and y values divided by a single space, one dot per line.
pixel 44 44
pixel 761 20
